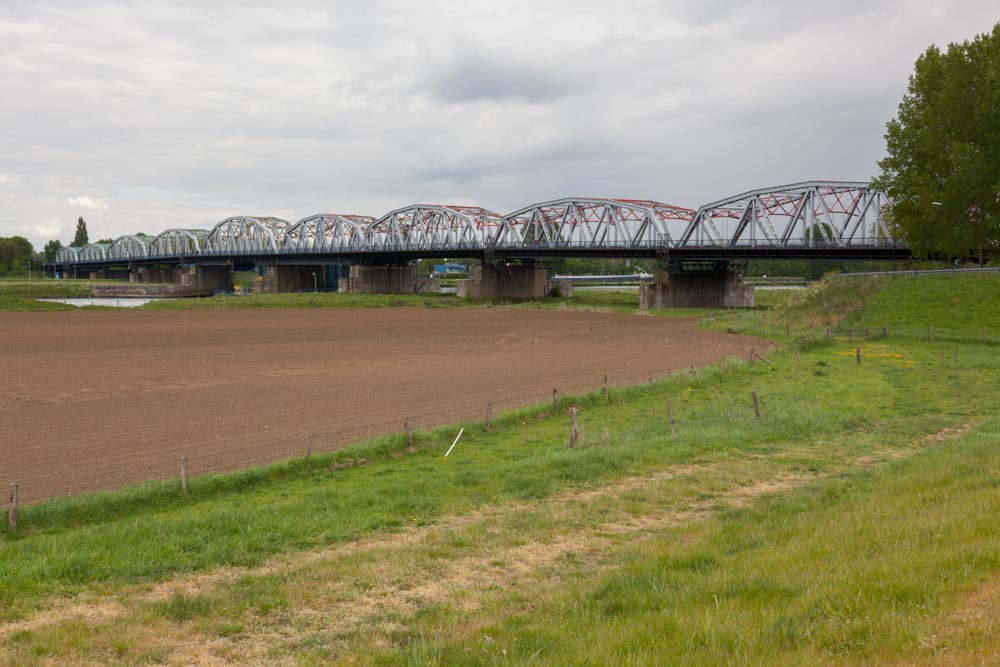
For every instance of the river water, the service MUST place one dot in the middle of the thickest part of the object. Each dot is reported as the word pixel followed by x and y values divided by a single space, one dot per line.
pixel 129 302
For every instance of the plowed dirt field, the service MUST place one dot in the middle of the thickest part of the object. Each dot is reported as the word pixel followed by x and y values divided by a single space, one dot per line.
pixel 96 400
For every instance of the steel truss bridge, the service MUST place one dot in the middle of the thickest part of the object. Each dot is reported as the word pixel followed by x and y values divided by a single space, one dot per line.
pixel 811 220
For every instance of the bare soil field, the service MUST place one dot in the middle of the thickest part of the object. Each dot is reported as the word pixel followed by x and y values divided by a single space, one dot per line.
pixel 95 400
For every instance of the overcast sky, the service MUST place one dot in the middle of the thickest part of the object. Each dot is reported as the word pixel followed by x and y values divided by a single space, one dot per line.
pixel 141 116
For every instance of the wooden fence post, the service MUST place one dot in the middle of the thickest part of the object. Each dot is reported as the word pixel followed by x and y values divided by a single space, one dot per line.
pixel 670 414
pixel 756 406
pixel 606 395
pixel 12 513
pixel 309 445
pixel 857 356
pixel 184 474
pixel 573 433
pixel 798 354
pixel 409 431
pixel 555 401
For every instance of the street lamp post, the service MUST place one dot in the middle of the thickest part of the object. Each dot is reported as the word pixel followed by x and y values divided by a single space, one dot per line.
pixel 314 282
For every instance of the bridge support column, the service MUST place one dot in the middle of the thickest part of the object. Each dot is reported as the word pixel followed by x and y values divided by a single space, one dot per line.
pixel 209 278
pixel 388 279
pixel 715 288
pixel 505 282
pixel 280 279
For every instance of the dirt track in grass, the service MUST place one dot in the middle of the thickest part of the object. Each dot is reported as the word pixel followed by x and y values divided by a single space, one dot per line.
pixel 94 400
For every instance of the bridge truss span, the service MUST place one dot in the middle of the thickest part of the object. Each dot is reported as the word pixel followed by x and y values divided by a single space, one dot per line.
pixel 809 220
pixel 425 226
pixel 246 235
pixel 328 232
pixel 178 243
pixel 593 223
pixel 809 214
pixel 131 246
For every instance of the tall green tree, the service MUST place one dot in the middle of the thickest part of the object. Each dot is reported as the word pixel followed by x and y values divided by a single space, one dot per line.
pixel 942 168
pixel 81 238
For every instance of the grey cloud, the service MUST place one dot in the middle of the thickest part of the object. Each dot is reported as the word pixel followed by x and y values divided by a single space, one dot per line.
pixel 472 75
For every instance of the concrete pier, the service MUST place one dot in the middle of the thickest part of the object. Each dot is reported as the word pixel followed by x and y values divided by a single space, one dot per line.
pixel 195 279
pixel 696 289
pixel 489 281
pixel 282 279
pixel 388 279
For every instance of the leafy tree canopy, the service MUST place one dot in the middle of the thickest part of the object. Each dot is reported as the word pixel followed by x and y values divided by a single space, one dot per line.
pixel 50 249
pixel 15 253
pixel 943 164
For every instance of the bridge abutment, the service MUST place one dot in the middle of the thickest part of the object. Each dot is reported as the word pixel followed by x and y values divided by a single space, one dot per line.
pixel 713 288
pixel 388 279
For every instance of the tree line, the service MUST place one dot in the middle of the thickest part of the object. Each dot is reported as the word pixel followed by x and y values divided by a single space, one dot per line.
pixel 17 254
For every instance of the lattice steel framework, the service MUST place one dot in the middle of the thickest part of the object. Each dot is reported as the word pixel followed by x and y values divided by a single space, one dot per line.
pixel 426 226
pixel 593 223
pixel 130 246
pixel 67 254
pixel 246 235
pixel 810 214
pixel 93 252
pixel 178 242
pixel 328 232
pixel 815 214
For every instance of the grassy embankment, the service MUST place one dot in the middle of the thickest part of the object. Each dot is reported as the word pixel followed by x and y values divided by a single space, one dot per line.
pixel 855 522
pixel 22 295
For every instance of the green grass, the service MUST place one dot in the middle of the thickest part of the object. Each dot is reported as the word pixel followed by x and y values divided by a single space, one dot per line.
pixel 846 569
pixel 16 303
pixel 43 289
pixel 957 306
pixel 864 538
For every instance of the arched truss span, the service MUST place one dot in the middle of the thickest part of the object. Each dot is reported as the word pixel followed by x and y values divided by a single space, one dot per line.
pixel 243 234
pixel 328 232
pixel 67 254
pixel 814 213
pixel 178 243
pixel 594 223
pixel 93 252
pixel 431 226
pixel 130 246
